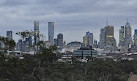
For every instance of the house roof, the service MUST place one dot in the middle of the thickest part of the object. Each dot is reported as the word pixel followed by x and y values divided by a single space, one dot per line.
pixel 133 77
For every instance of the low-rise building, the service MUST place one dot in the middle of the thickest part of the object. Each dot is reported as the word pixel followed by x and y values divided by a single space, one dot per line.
pixel 83 53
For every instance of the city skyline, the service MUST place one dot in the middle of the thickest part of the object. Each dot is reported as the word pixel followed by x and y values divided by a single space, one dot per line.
pixel 70 17
pixel 98 39
pixel 107 40
pixel 68 40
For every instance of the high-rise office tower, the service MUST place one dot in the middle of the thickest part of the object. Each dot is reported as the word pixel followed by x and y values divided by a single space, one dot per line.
pixel 121 36
pixel 102 38
pixel 107 40
pixel 90 36
pixel 55 41
pixel 85 40
pixel 9 35
pixel 128 35
pixel 30 40
pixel 135 37
pixel 109 36
pixel 36 32
pixel 60 40
pixel 125 38
pixel 19 45
pixel 88 39
pixel 95 44
pixel 51 32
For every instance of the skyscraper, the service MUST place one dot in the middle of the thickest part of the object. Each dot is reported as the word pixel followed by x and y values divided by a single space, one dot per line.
pixel 51 32
pixel 88 39
pixel 125 38
pixel 36 32
pixel 107 40
pixel 90 36
pixel 110 41
pixel 128 35
pixel 135 37
pixel 30 40
pixel 55 41
pixel 102 38
pixel 85 40
pixel 109 36
pixel 95 44
pixel 121 36
pixel 9 35
pixel 60 40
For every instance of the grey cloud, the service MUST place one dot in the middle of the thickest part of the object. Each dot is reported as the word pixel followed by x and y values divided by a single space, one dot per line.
pixel 10 3
pixel 68 15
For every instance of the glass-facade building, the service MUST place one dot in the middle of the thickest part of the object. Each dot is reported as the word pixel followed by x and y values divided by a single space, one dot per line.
pixel 51 32
pixel 135 37
pixel 102 38
pixel 36 32
pixel 121 36
pixel 9 34
pixel 88 39
pixel 128 35
pixel 60 40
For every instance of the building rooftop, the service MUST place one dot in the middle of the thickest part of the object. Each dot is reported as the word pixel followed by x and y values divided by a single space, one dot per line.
pixel 132 77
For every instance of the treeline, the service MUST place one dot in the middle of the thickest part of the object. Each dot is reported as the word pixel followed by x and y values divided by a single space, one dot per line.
pixel 44 67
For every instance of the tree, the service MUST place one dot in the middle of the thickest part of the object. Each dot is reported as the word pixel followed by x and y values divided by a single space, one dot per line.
pixel 24 34
pixel 40 45
pixel 47 54
pixel 9 44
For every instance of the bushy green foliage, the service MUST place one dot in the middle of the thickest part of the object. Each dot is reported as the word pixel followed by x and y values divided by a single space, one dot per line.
pixel 44 67
pixel 9 44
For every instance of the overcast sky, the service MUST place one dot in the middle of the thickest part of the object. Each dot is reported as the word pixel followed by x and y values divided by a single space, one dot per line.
pixel 73 18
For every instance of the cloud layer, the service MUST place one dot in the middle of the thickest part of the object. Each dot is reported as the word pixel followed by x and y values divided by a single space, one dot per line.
pixel 71 17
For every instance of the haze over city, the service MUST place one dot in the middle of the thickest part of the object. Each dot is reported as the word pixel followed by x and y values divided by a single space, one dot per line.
pixel 72 18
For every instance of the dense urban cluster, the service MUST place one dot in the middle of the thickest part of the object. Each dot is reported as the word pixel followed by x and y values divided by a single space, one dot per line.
pixel 33 58
pixel 107 40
